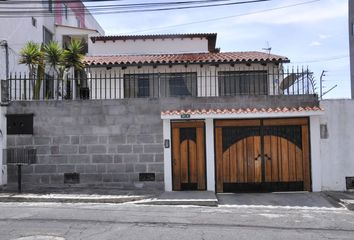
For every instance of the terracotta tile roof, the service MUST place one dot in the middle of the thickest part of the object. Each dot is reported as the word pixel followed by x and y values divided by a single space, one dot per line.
pixel 224 57
pixel 240 111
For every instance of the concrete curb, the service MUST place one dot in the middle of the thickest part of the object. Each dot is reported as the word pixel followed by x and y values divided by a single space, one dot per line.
pixel 341 199
pixel 349 204
pixel 175 202
pixel 63 199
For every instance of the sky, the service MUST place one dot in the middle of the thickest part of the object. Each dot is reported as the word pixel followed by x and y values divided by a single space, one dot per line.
pixel 311 33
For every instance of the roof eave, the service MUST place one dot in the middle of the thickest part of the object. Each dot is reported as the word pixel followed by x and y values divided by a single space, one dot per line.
pixel 105 64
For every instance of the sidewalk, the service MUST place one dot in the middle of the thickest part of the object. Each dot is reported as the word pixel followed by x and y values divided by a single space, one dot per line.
pixel 345 198
pixel 76 195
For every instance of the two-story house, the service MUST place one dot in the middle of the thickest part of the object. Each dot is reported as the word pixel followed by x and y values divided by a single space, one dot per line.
pixel 174 112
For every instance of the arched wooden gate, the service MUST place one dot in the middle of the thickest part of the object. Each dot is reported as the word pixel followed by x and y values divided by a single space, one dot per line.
pixel 262 155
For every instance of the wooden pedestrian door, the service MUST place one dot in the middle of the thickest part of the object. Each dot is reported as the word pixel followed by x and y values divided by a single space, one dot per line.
pixel 188 156
pixel 262 155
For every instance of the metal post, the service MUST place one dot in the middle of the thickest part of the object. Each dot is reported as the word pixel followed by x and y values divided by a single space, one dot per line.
pixel 7 59
pixel 321 84
pixel 19 180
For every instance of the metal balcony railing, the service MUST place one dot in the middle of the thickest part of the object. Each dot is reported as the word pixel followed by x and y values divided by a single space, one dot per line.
pixel 120 84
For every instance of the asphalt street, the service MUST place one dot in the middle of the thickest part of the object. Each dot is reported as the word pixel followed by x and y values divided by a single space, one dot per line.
pixel 59 221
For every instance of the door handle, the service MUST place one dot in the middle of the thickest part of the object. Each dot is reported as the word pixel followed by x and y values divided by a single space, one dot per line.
pixel 256 158
pixel 267 157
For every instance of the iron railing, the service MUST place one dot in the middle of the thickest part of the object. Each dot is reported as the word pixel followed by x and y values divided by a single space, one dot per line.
pixel 119 84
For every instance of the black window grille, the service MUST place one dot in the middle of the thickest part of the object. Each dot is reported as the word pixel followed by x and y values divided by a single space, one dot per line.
pixel 160 85
pixel 243 82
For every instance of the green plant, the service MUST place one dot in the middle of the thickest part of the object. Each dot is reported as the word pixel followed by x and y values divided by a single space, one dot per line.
pixel 54 56
pixel 73 56
pixel 32 56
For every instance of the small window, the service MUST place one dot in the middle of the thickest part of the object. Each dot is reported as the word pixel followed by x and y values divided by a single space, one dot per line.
pixel 50 5
pixel 353 28
pixel 47 36
pixel 143 87
pixel 65 10
pixel 34 22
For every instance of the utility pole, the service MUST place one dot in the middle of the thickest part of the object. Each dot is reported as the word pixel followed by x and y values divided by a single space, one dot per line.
pixel 321 83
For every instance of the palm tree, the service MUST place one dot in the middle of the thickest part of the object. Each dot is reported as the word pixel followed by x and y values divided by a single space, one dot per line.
pixel 54 56
pixel 73 58
pixel 32 56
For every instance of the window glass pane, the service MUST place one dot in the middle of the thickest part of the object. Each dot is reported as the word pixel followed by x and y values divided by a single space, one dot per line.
pixel 47 36
pixel 143 87
pixel 178 84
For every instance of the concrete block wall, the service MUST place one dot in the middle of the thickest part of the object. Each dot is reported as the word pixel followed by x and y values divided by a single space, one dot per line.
pixel 336 144
pixel 108 142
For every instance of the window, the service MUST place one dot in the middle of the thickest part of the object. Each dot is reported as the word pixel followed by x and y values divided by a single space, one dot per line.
pixel 243 82
pixel 34 22
pixel 178 84
pixel 78 22
pixel 47 36
pixel 140 86
pixel 143 87
pixel 160 85
pixel 50 5
pixel 353 28
pixel 65 10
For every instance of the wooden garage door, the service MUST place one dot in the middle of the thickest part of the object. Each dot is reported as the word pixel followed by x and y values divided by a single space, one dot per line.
pixel 188 156
pixel 262 155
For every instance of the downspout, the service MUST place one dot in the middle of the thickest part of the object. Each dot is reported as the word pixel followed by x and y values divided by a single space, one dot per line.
pixel 7 59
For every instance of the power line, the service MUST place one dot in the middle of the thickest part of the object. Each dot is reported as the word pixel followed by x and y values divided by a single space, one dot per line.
pixel 17 14
pixel 112 5
pixel 325 59
pixel 222 18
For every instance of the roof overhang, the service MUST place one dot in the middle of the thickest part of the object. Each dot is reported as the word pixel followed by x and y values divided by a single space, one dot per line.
pixel 241 113
pixel 75 31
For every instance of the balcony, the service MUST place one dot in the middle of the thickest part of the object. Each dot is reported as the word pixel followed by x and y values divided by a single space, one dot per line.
pixel 98 84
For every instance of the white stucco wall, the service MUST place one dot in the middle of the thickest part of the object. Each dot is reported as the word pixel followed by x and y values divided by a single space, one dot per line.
pixel 18 31
pixel 148 46
pixel 337 151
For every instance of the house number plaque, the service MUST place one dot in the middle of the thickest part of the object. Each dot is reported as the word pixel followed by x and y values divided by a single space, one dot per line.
pixel 185 116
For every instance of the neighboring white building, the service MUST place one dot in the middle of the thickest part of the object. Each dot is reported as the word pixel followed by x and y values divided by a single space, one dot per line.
pixel 65 21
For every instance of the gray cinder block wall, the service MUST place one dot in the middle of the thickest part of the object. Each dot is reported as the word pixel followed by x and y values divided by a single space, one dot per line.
pixel 109 142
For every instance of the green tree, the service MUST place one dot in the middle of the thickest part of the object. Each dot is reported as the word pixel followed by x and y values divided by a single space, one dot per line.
pixel 54 56
pixel 73 58
pixel 32 56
